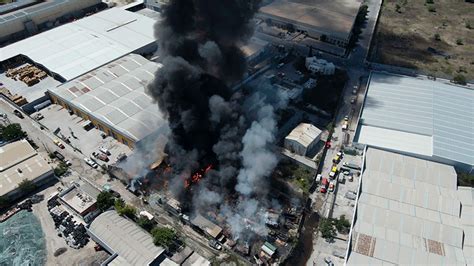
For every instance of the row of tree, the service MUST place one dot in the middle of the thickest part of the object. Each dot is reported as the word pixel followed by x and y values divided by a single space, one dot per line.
pixel 162 236
pixel 328 227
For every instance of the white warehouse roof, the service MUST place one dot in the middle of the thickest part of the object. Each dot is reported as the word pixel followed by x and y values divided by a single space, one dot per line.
pixel 409 212
pixel 115 95
pixel 418 116
pixel 133 245
pixel 304 134
pixel 81 46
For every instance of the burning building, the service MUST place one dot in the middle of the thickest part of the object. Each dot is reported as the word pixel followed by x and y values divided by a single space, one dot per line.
pixel 220 142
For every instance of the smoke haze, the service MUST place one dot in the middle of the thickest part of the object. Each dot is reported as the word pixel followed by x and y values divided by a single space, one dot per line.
pixel 199 44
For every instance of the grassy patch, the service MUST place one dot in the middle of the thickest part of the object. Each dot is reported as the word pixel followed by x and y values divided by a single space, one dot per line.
pixel 443 25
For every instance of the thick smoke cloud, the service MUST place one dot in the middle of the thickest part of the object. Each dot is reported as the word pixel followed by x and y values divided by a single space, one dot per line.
pixel 199 44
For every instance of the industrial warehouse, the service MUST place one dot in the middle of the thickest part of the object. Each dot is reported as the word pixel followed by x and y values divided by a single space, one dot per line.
pixel 18 162
pixel 411 212
pixel 332 19
pixel 28 17
pixel 419 117
pixel 113 99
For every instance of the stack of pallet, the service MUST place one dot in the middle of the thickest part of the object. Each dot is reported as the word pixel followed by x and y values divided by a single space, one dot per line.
pixel 29 74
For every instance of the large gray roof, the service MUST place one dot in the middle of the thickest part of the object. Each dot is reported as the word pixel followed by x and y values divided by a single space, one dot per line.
pixel 133 245
pixel 419 116
pixel 410 211
pixel 115 95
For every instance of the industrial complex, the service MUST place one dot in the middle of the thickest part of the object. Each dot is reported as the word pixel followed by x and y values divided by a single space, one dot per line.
pixel 19 162
pixel 332 19
pixel 256 134
pixel 113 98
pixel 420 117
pixel 25 18
pixel 410 211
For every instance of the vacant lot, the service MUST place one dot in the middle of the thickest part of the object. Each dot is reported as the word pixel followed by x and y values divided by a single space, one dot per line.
pixel 435 36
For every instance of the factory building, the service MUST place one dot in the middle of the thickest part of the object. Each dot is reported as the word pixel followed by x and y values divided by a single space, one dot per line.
pixel 113 99
pixel 302 139
pixel 331 21
pixel 128 243
pixel 410 211
pixel 18 162
pixel 415 116
pixel 24 18
pixel 81 200
pixel 319 66
pixel 209 228
pixel 76 48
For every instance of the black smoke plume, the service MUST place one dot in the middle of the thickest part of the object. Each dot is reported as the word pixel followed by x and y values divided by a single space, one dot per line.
pixel 199 44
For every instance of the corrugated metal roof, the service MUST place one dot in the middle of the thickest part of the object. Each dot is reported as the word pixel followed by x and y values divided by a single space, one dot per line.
pixel 117 98
pixel 304 134
pixel 126 238
pixel 81 46
pixel 401 111
pixel 410 211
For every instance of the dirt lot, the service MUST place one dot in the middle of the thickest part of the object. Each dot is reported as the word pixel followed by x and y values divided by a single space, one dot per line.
pixel 407 28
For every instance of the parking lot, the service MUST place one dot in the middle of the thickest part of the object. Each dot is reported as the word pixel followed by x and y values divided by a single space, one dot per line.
pixel 56 117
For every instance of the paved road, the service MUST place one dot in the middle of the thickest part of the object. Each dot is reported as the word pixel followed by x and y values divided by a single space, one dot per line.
pixel 357 72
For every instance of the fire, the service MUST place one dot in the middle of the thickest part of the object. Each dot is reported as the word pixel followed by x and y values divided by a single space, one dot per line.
pixel 196 177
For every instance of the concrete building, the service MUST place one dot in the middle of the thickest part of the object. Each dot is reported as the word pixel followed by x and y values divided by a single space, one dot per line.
pixel 113 98
pixel 18 162
pixel 81 200
pixel 319 66
pixel 76 48
pixel 24 18
pixel 409 211
pixel 206 226
pixel 332 19
pixel 419 117
pixel 302 139
pixel 126 241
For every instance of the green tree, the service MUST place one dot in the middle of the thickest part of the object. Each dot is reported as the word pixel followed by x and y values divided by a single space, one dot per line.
pixel 460 79
pixel 163 236
pixel 125 209
pixel 327 229
pixel 26 186
pixel 61 169
pixel 146 224
pixel 105 200
pixel 432 9
pixel 459 41
pixel 342 224
pixel 437 37
pixel 11 132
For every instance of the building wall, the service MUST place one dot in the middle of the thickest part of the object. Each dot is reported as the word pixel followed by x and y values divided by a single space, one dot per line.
pixel 313 32
pixel 16 29
pixel 97 123
pixel 295 147
pixel 39 181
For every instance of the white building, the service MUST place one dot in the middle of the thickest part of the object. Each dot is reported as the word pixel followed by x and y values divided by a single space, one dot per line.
pixel 320 66
pixel 302 138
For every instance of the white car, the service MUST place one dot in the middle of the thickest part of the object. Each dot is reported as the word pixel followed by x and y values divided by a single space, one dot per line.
pixel 104 150
pixel 90 162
